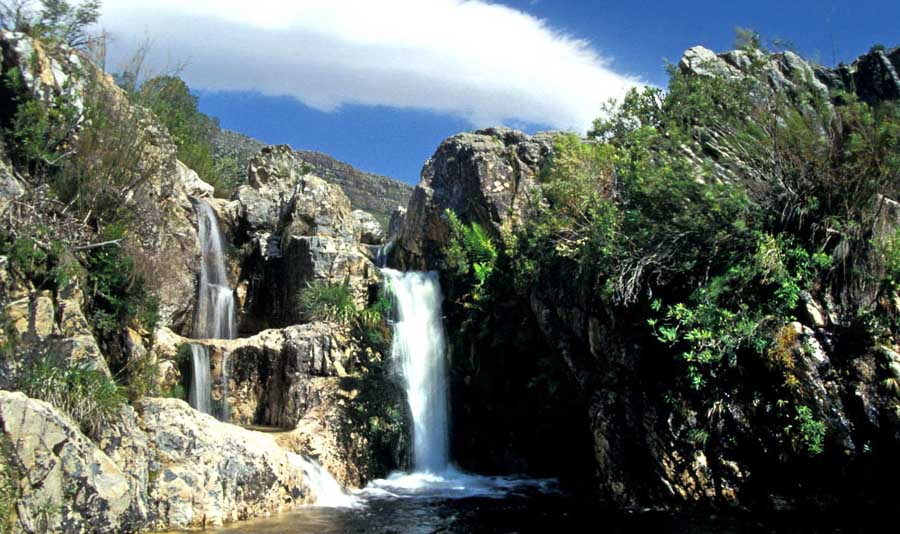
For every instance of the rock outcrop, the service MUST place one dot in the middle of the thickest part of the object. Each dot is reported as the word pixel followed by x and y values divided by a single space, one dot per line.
pixel 643 449
pixel 64 482
pixel 335 401
pixel 165 466
pixel 486 177
pixel 206 473
pixel 375 194
pixel 295 228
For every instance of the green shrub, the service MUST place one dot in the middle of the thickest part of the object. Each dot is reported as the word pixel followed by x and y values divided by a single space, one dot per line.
pixel 55 21
pixel 9 486
pixel 807 432
pixel 327 301
pixel 90 398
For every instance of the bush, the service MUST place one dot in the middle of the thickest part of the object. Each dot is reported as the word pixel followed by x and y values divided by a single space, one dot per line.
pixel 56 21
pixel 327 301
pixel 90 398
pixel 9 486
pixel 193 132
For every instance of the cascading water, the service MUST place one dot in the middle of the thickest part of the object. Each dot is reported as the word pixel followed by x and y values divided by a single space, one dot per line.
pixel 214 317
pixel 419 349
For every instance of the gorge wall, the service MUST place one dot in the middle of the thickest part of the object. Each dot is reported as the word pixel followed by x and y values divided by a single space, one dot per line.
pixel 601 382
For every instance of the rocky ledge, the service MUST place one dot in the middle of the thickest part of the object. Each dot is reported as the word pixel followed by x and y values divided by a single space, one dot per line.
pixel 161 466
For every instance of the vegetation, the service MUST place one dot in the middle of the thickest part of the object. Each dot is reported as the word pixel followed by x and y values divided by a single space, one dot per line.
pixel 706 217
pixel 52 21
pixel 89 397
pixel 193 132
pixel 9 489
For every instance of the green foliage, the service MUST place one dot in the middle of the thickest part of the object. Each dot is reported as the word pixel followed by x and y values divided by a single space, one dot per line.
pixel 327 301
pixel 54 21
pixel 9 486
pixel 37 133
pixel 807 432
pixel 470 251
pixel 170 99
pixel 891 250
pixel 116 295
pixel 41 259
pixel 333 302
pixel 89 397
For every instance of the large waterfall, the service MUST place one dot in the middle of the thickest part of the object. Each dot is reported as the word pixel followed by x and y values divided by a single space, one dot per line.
pixel 214 317
pixel 419 349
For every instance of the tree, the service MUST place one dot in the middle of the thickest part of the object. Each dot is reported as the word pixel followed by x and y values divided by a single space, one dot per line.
pixel 56 21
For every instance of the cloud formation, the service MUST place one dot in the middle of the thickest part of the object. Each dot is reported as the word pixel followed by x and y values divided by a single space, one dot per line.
pixel 487 63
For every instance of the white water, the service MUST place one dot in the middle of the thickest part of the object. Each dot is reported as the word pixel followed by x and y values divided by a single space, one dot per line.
pixel 326 490
pixel 201 385
pixel 214 317
pixel 419 349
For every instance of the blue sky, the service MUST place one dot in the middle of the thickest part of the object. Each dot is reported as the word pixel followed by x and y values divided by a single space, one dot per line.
pixel 389 119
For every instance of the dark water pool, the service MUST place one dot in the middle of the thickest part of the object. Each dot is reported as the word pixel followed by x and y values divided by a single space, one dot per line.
pixel 407 505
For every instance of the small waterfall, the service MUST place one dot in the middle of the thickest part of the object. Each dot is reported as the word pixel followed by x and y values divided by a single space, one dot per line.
pixel 201 385
pixel 214 317
pixel 419 348
pixel 324 487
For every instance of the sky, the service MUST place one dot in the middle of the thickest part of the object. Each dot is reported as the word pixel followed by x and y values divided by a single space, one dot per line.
pixel 379 84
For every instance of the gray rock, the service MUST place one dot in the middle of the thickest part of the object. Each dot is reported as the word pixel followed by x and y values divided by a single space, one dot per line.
pixel 370 230
pixel 486 177
pixel 66 483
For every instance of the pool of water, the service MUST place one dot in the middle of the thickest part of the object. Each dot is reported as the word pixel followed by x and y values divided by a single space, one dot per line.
pixel 453 502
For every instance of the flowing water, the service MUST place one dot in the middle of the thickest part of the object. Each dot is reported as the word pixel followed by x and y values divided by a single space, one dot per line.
pixel 436 497
pixel 214 317
pixel 418 349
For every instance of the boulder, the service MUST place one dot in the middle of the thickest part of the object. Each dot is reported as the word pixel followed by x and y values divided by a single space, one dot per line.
pixel 296 229
pixel 370 230
pixel 65 483
pixel 487 177
pixel 206 473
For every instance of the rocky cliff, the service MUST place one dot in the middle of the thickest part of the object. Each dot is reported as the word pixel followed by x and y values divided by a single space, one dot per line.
pixel 375 194
pixel 603 378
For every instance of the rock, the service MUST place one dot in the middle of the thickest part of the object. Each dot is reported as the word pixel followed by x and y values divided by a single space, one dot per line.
pixel 205 473
pixel 193 185
pixel 370 230
pixel 485 177
pixel 65 483
pixel 375 194
pixel 876 77
pixel 297 229
pixel 41 321
pixel 395 226
pixel 10 186
pixel 164 237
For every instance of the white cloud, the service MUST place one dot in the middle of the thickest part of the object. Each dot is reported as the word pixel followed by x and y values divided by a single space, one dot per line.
pixel 484 62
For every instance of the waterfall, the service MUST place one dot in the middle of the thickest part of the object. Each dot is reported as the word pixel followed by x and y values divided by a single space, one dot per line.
pixel 419 349
pixel 214 317
pixel 201 384
pixel 327 491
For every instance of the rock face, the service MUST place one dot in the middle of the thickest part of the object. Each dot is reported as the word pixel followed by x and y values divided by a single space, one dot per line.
pixel 335 401
pixel 166 466
pixel 65 483
pixel 294 229
pixel 165 237
pixel 206 473
pixel 485 177
pixel 375 194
